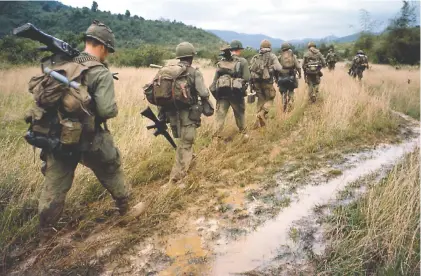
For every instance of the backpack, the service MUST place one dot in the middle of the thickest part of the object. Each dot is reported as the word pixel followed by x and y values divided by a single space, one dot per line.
pixel 170 87
pixel 61 112
pixel 361 61
pixel 228 83
pixel 287 59
pixel 260 67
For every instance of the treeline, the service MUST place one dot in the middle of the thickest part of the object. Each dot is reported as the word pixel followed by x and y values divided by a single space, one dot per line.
pixel 134 34
pixel 399 44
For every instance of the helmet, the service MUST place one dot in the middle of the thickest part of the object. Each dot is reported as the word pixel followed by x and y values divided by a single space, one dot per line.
pixel 265 44
pixel 99 31
pixel 285 46
pixel 311 44
pixel 184 49
pixel 360 52
pixel 236 45
pixel 330 50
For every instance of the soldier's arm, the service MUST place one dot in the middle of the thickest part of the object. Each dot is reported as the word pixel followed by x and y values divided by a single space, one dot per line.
pixel 104 95
pixel 276 65
pixel 212 87
pixel 245 71
pixel 199 84
pixel 322 58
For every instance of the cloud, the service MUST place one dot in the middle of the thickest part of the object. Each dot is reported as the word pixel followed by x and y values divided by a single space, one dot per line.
pixel 286 19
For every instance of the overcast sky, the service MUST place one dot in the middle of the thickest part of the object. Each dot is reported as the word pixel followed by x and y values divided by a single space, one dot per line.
pixel 285 19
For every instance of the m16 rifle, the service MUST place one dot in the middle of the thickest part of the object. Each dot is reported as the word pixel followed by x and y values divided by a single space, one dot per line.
pixel 51 43
pixel 160 126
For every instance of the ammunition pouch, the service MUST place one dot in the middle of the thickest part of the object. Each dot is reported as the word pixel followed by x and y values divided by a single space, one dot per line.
pixel 195 112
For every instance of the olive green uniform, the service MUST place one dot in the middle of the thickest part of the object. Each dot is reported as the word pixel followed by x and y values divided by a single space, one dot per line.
pixel 331 60
pixel 236 102
pixel 264 89
pixel 287 90
pixel 100 155
pixel 357 67
pixel 184 127
pixel 313 81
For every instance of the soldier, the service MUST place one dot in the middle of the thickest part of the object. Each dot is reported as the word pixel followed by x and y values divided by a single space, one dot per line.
pixel 185 121
pixel 264 66
pixel 312 65
pixel 287 80
pixel 331 59
pixel 99 154
pixel 229 87
pixel 358 65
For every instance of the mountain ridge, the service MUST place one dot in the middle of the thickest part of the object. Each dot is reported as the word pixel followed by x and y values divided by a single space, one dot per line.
pixel 253 40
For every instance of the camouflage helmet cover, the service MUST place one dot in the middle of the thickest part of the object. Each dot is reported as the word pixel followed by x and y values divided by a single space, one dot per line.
pixel 225 48
pixel 184 49
pixel 236 45
pixel 285 46
pixel 361 52
pixel 265 44
pixel 311 44
pixel 100 32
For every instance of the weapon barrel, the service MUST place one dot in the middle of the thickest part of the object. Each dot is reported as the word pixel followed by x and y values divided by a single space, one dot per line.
pixel 61 78
pixel 155 66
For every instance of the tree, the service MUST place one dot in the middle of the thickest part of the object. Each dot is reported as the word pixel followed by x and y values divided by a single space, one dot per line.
pixel 127 14
pixel 120 16
pixel 94 7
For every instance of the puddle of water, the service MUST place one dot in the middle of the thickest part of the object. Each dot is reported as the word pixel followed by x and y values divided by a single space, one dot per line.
pixel 188 255
pixel 262 246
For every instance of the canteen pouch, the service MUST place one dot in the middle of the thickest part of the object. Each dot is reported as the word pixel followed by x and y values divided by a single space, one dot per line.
pixel 195 112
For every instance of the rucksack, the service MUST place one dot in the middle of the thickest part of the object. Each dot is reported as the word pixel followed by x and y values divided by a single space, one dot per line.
pixel 313 67
pixel 362 61
pixel 60 112
pixel 228 83
pixel 287 59
pixel 170 87
pixel 260 67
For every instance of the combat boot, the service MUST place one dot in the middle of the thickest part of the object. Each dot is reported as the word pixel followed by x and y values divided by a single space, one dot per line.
pixel 122 205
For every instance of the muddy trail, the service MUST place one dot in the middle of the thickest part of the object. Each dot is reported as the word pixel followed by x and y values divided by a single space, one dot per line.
pixel 273 228
pixel 270 228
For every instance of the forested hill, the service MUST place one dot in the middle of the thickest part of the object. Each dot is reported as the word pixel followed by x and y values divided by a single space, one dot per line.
pixel 68 23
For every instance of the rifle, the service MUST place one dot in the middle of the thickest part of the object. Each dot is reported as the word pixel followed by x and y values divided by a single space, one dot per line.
pixel 160 126
pixel 51 43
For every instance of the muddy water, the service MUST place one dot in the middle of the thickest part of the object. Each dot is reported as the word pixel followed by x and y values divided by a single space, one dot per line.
pixel 263 245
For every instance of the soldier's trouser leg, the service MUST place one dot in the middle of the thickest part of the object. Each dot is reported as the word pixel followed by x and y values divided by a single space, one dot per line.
pixel 59 174
pixel 104 160
pixel 239 108
pixel 222 107
pixel 265 93
pixel 184 153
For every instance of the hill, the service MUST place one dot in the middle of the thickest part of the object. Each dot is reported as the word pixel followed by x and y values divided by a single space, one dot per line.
pixel 68 23
pixel 253 40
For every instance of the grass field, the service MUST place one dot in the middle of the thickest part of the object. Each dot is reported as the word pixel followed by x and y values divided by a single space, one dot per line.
pixel 347 115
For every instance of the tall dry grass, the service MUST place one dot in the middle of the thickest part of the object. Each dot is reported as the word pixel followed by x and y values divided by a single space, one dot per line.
pixel 380 233
pixel 347 114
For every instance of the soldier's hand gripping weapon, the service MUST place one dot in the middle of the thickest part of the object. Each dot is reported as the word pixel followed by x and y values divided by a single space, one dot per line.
pixel 160 126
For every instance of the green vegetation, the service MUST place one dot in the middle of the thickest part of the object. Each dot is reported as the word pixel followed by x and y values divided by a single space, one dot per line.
pixel 68 24
pixel 379 233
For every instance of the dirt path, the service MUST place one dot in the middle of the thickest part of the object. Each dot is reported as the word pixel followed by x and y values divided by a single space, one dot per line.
pixel 269 229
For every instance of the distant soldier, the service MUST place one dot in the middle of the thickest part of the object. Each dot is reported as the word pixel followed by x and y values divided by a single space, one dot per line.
pixel 287 80
pixel 84 138
pixel 229 86
pixel 358 65
pixel 331 59
pixel 263 67
pixel 312 65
